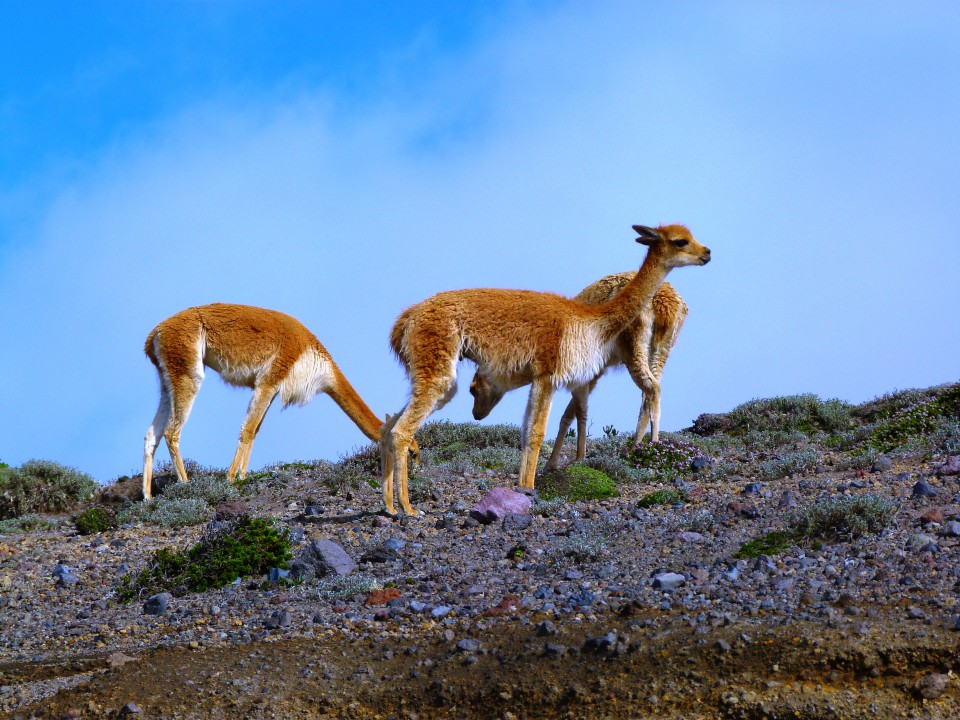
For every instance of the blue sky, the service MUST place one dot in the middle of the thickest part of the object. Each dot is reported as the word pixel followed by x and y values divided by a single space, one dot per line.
pixel 340 161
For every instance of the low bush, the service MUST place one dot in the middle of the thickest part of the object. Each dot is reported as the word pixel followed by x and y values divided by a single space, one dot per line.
pixel 576 482
pixel 661 497
pixel 95 519
pixel 804 413
pixel 842 518
pixel 241 548
pixel 40 486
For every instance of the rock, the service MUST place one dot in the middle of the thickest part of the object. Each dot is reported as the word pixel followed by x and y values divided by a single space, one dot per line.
pixel 923 490
pixel 554 649
pixel 65 575
pixel 279 619
pixel 467 645
pixel 278 574
pixel 380 554
pixel 788 500
pixel 498 503
pixel 157 604
pixel 689 537
pixel 722 645
pixel 381 596
pixel 950 467
pixel 930 687
pixel 752 489
pixel 951 529
pixel 325 557
pixel 668 580
pixel 881 464
pixel 920 541
pixel 118 659
pixel 700 464
pixel 601 642
pixel 546 628
pixel 129 709
pixel 230 510
pixel 441 611
pixel 516 521
pixel 932 515
pixel 584 598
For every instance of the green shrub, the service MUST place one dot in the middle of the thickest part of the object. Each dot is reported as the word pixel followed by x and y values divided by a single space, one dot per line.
pixel 773 543
pixel 212 488
pixel 576 482
pixel 842 518
pixel 40 486
pixel 25 523
pixel 244 547
pixel 344 587
pixel 176 512
pixel 804 413
pixel 789 464
pixel 662 497
pixel 95 519
pixel 442 439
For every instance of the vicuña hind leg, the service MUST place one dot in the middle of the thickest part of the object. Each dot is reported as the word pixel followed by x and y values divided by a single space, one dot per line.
pixel 152 440
pixel 425 397
pixel 184 392
pixel 534 427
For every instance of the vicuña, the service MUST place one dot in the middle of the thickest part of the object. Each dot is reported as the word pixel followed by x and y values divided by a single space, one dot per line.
pixel 266 350
pixel 643 348
pixel 517 337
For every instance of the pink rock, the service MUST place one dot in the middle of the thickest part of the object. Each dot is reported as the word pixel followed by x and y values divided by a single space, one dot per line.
pixel 499 503
pixel 932 516
pixel 951 467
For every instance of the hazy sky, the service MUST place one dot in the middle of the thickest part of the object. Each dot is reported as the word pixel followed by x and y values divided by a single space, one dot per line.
pixel 342 160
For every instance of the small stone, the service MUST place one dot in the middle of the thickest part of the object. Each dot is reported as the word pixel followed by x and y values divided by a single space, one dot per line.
pixel 554 649
pixel 930 687
pixel 468 645
pixel 513 522
pixel 668 580
pixel 279 619
pixel 440 611
pixel 129 709
pixel 951 529
pixel 933 515
pixel 498 503
pixel 157 604
pixel 788 500
pixel 381 596
pixel 752 489
pixel 916 614
pixel 923 490
pixel 881 464
pixel 380 554
pixel 722 646
pixel 951 467
pixel 546 628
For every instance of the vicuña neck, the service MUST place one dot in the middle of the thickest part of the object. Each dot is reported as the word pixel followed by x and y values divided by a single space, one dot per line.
pixel 623 309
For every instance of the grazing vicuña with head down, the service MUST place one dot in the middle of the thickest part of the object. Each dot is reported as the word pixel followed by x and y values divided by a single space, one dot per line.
pixel 517 337
pixel 643 348
pixel 266 350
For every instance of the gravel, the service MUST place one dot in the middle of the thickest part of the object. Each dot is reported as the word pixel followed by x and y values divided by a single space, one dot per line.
pixel 583 564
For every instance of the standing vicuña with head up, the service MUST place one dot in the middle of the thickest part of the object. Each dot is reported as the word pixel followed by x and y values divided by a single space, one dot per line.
pixel 266 350
pixel 643 348
pixel 517 337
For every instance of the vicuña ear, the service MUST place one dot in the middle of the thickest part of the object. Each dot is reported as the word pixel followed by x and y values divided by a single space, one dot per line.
pixel 648 236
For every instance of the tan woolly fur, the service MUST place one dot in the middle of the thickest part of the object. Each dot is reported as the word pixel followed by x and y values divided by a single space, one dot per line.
pixel 643 348
pixel 266 350
pixel 517 337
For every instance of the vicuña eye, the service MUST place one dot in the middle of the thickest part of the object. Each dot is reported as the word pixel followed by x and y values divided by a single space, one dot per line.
pixel 680 243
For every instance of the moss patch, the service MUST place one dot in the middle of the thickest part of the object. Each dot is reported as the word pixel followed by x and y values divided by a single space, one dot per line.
pixel 576 482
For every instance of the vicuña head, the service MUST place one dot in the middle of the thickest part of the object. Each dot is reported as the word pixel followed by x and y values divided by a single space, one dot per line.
pixel 517 337
pixel 265 350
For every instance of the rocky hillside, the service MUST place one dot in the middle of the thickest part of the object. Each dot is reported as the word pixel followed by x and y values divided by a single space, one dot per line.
pixel 795 557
